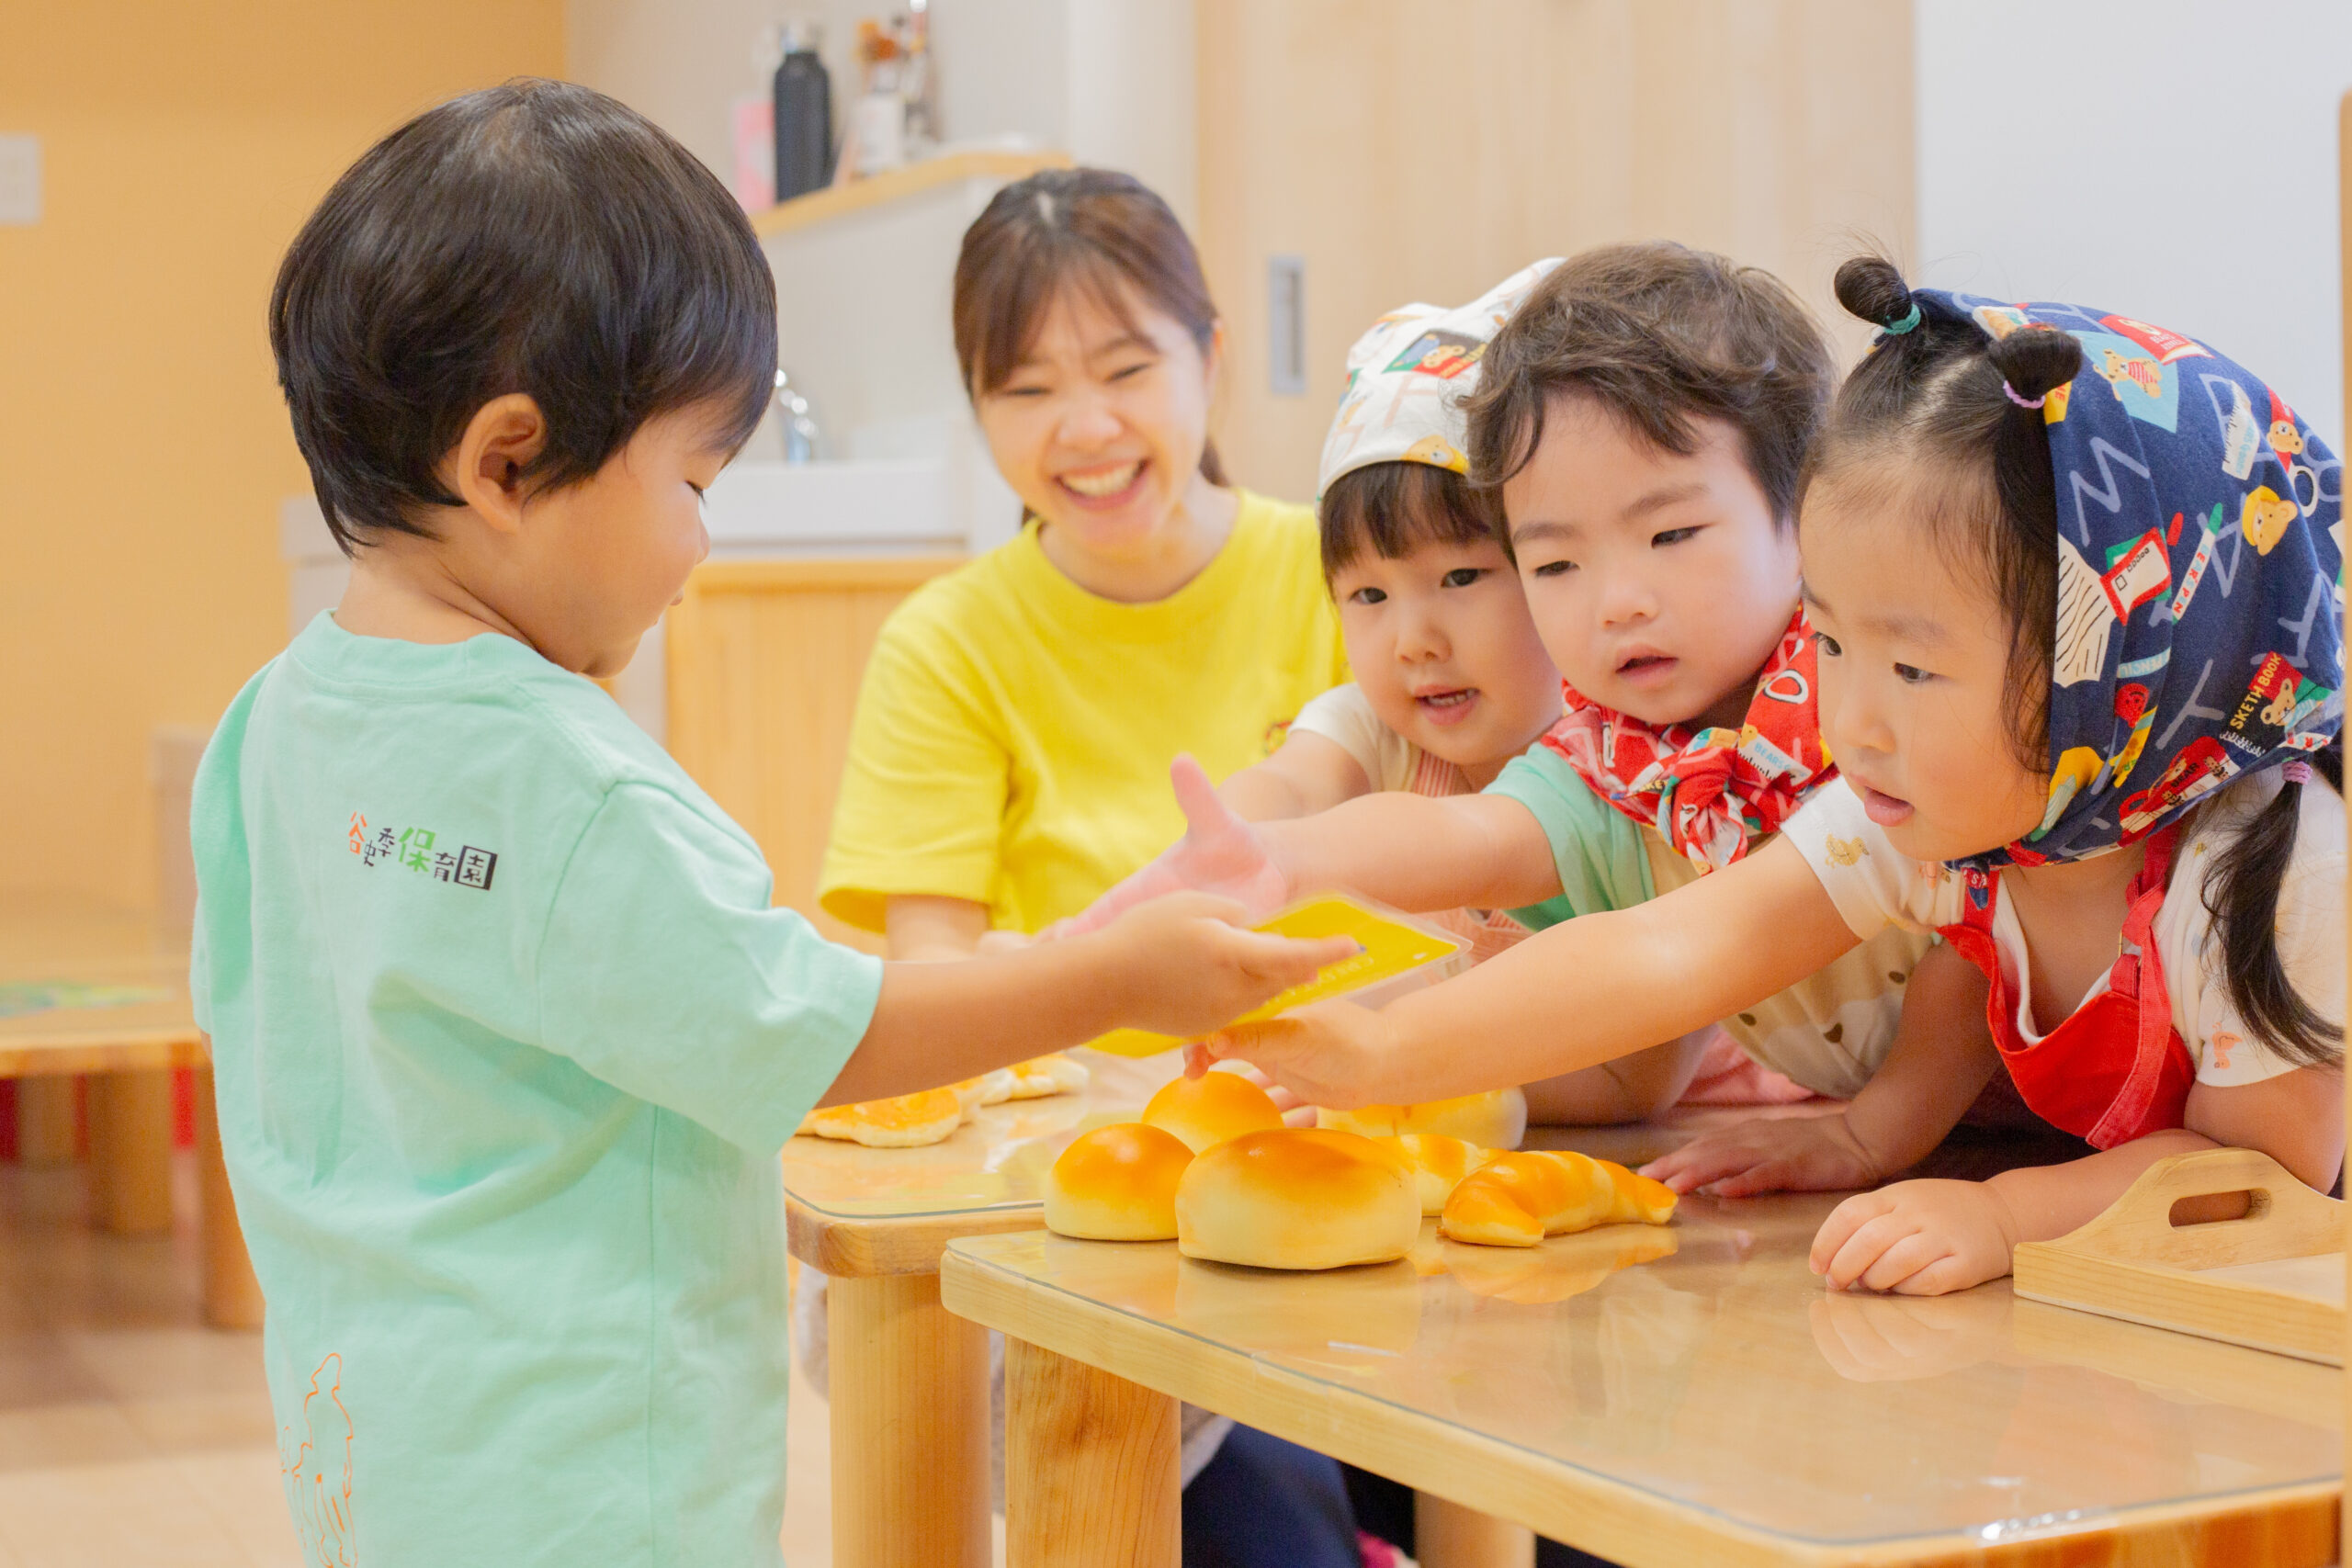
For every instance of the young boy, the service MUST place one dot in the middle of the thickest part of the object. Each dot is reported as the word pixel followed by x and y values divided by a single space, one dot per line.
pixel 507 1034
pixel 1451 680
pixel 1643 415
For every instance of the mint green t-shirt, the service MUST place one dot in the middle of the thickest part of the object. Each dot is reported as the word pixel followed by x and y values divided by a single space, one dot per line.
pixel 507 1039
pixel 1596 847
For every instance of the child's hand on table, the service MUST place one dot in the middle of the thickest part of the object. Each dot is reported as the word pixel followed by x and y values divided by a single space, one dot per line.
pixel 1916 1238
pixel 1190 964
pixel 1219 853
pixel 1776 1154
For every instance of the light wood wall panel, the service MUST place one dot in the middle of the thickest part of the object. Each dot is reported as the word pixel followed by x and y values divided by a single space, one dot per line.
pixel 764 660
pixel 1423 149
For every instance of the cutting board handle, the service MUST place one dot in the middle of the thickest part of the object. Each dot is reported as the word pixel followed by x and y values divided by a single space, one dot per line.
pixel 2286 1219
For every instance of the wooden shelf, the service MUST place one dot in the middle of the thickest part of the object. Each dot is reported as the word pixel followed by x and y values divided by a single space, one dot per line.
pixel 875 190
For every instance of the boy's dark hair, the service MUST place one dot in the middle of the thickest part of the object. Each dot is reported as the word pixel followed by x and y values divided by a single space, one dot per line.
pixel 1924 421
pixel 1659 335
pixel 1094 229
pixel 535 237
pixel 1394 508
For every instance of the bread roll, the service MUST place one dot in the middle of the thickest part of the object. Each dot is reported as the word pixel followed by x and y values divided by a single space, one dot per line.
pixel 907 1121
pixel 1517 1200
pixel 1495 1120
pixel 1041 1075
pixel 1297 1198
pixel 1210 1109
pixel 1640 1200
pixel 1116 1184
pixel 1438 1163
pixel 989 1088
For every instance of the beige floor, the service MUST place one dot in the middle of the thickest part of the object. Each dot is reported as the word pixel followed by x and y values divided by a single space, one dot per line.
pixel 133 1436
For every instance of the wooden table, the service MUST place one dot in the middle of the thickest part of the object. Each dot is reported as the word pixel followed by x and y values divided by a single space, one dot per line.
pixel 909 1401
pixel 1658 1397
pixel 100 991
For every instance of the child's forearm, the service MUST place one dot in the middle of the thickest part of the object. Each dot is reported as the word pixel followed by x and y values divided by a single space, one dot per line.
pixel 1418 853
pixel 1603 986
pixel 940 1022
pixel 1942 1058
pixel 2043 1202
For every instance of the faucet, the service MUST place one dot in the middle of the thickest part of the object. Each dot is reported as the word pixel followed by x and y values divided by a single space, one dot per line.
pixel 801 437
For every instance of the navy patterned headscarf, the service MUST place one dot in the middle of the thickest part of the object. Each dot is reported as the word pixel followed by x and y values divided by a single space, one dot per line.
pixel 2201 578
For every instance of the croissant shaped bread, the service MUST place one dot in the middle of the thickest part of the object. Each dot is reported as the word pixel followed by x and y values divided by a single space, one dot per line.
pixel 1517 1200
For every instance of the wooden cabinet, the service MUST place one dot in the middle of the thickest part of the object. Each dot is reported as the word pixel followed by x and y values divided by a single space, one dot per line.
pixel 765 659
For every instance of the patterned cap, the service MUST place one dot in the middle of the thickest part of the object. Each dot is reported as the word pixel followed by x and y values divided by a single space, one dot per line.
pixel 1406 376
pixel 2201 578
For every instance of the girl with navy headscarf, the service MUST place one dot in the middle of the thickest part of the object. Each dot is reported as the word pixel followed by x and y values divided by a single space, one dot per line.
pixel 2076 582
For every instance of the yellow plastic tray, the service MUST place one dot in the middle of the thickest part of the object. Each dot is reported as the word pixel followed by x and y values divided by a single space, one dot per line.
pixel 1391 946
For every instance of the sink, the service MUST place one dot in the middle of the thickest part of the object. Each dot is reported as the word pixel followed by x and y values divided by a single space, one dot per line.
pixel 764 508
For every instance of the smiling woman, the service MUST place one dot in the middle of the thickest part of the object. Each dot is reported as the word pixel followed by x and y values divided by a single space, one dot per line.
pixel 1010 757
pixel 1009 760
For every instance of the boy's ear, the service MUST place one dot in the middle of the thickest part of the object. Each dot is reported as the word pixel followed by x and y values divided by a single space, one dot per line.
pixel 502 441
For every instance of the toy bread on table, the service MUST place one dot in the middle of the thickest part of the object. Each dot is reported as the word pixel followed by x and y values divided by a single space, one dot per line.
pixel 1116 1184
pixel 1297 1198
pixel 907 1121
pixel 1438 1164
pixel 1041 1075
pixel 1517 1200
pixel 1495 1120
pixel 1210 1109
pixel 1395 954
pixel 990 1088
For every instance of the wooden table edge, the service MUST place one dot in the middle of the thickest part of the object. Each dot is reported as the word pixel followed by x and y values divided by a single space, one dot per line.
pixel 859 1247
pixel 1610 1519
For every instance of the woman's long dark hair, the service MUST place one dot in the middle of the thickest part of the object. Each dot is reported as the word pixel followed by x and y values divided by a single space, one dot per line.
pixel 1935 392
pixel 1095 228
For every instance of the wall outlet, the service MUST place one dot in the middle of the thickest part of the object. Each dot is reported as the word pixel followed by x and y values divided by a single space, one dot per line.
pixel 1286 325
pixel 20 179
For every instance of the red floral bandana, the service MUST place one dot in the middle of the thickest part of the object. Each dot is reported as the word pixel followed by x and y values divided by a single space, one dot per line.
pixel 1711 792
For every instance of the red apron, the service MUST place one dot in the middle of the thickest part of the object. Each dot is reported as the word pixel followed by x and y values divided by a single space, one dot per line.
pixel 2117 1069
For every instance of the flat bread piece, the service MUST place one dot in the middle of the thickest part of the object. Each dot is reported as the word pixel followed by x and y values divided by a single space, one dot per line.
pixel 990 1088
pixel 907 1121
pixel 1041 1075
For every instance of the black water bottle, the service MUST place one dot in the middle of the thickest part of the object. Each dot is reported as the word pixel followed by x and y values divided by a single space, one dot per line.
pixel 804 119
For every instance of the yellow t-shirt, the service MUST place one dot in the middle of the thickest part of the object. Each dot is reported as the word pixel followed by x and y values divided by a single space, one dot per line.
pixel 1013 732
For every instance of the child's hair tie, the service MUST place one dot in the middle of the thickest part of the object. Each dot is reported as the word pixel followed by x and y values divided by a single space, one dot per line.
pixel 2023 403
pixel 2296 772
pixel 1910 319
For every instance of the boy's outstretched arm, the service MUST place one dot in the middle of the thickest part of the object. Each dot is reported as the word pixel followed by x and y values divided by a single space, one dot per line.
pixel 1180 965
pixel 1585 991
pixel 1407 849
pixel 1942 1058
pixel 1308 774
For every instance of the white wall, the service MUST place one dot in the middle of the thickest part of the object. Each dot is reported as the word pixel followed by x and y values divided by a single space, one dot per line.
pixel 2173 159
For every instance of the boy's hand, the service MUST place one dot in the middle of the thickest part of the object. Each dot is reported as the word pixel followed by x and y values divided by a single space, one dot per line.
pixel 1770 1153
pixel 1916 1238
pixel 1188 963
pixel 1333 1054
pixel 1219 853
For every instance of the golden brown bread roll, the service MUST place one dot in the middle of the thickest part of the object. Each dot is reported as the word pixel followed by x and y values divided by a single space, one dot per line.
pixel 1210 1109
pixel 1116 1183
pixel 1297 1198
pixel 1517 1200
pixel 905 1121
pixel 1438 1163
pixel 1496 1119
pixel 1041 1075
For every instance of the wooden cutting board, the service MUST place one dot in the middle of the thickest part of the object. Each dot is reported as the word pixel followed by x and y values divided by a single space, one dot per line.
pixel 2272 1279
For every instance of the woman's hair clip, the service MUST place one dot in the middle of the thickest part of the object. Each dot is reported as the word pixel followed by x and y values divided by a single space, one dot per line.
pixel 1910 319
pixel 2023 403
pixel 2296 771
